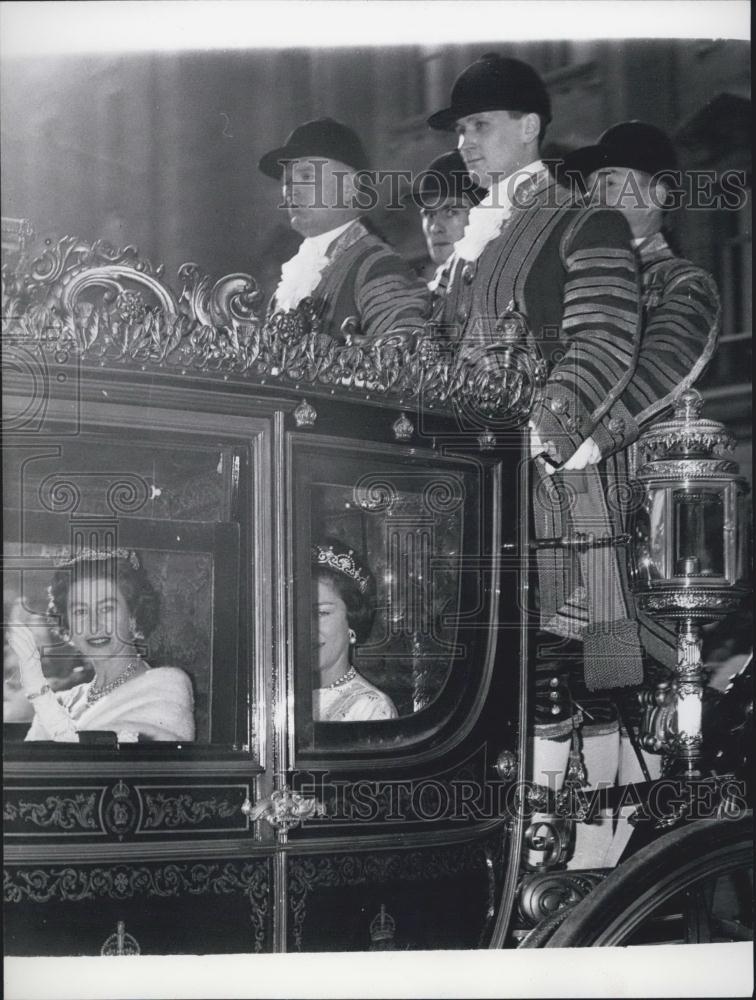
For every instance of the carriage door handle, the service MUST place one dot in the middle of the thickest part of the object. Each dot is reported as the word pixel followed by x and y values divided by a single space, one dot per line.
pixel 283 809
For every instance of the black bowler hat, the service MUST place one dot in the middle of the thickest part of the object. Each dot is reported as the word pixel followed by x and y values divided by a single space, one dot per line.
pixel 634 145
pixel 446 177
pixel 323 137
pixel 494 83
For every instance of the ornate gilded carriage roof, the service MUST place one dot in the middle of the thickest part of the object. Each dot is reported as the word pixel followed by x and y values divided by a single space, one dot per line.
pixel 112 309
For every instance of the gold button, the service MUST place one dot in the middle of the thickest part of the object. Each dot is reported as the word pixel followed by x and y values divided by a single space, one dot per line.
pixel 616 425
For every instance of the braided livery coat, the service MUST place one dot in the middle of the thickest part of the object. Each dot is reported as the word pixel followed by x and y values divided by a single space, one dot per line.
pixel 368 289
pixel 571 271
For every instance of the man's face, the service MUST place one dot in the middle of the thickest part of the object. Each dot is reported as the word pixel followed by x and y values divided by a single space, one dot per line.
pixel 318 194
pixel 631 192
pixel 443 225
pixel 493 145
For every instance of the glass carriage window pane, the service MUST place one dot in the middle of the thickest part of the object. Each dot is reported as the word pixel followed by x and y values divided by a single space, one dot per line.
pixel 743 536
pixel 185 633
pixel 110 477
pixel 699 532
pixel 166 500
pixel 405 531
pixel 650 539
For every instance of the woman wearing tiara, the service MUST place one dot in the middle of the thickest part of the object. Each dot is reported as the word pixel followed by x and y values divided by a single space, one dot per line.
pixel 343 612
pixel 105 605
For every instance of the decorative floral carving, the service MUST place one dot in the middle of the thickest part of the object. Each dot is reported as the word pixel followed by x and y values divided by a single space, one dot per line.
pixel 123 810
pixel 687 433
pixel 307 873
pixel 183 810
pixel 232 296
pixel 43 885
pixel 688 468
pixel 692 600
pixel 74 812
pixel 712 438
pixel 130 307
pixel 215 327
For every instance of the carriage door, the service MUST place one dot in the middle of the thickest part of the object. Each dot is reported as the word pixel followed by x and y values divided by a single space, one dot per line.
pixel 392 826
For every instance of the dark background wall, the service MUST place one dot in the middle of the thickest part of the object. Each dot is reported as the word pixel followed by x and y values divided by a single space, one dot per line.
pixel 161 149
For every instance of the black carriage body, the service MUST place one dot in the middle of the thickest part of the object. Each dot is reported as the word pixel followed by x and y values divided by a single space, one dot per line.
pixel 222 483
pixel 221 447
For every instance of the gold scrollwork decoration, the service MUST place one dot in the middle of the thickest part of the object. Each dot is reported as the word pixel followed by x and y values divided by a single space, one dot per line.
pixel 235 296
pixel 544 893
pixel 307 873
pixel 55 812
pixel 112 308
pixel 693 600
pixel 283 809
pixel 688 468
pixel 171 811
pixel 122 882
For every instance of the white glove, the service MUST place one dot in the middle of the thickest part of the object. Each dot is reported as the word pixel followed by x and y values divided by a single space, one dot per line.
pixel 587 454
pixel 22 643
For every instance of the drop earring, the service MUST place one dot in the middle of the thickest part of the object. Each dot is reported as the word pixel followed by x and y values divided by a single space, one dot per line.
pixel 352 636
pixel 136 633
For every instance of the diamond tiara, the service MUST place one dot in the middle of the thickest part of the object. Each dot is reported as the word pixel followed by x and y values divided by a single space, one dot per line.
pixel 341 562
pixel 85 554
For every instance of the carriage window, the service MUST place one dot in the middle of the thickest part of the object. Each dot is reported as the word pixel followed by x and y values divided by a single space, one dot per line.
pixel 120 593
pixel 385 594
pixel 387 608
pixel 85 477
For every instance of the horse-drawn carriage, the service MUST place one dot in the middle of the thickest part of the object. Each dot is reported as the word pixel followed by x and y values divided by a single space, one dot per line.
pixel 222 447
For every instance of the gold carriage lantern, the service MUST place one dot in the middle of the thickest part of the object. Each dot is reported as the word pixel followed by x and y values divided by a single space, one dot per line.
pixel 689 560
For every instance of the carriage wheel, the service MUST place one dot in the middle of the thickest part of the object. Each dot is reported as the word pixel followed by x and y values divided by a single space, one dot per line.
pixel 693 885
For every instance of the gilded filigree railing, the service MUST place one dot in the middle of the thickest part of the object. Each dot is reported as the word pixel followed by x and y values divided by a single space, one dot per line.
pixel 112 308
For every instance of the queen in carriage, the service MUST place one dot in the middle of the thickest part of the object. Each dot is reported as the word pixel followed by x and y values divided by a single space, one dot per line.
pixel 105 606
pixel 343 612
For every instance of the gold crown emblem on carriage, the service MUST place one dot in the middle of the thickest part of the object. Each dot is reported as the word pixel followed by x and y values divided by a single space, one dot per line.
pixel 382 926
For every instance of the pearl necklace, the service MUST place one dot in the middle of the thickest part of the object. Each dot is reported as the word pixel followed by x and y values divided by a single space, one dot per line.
pixel 125 675
pixel 348 676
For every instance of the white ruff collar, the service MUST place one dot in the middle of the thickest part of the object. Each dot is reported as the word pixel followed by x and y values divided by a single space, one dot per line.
pixel 487 218
pixel 301 275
